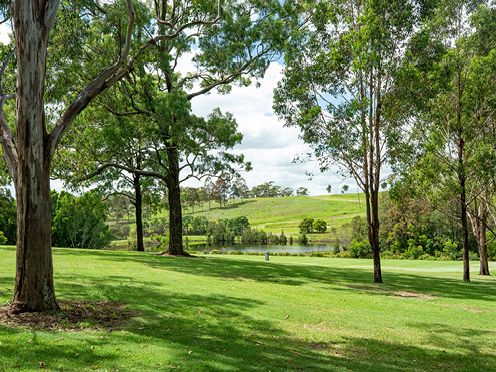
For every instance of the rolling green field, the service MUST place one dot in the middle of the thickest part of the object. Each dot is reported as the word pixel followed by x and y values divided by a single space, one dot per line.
pixel 275 214
pixel 241 313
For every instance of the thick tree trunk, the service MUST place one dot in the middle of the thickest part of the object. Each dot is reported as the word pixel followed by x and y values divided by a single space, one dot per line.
pixel 175 213
pixel 34 289
pixel 139 213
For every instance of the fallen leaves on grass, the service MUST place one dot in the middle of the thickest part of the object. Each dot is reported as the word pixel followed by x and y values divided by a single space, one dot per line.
pixel 73 315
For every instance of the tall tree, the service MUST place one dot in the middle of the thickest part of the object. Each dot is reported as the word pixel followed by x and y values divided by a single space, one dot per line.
pixel 30 150
pixel 339 89
pixel 456 125
pixel 250 35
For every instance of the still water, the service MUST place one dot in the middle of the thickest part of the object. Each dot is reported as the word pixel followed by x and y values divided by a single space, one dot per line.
pixel 294 248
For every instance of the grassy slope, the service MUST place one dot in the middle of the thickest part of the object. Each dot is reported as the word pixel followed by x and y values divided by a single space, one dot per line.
pixel 205 314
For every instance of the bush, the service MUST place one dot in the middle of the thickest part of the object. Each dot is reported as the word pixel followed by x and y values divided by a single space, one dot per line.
pixel 452 251
pixel 303 239
pixel 236 253
pixel 360 250
pixel 473 256
pixel 215 251
pixel 387 255
pixel 343 254
pixel 3 239
pixel 318 254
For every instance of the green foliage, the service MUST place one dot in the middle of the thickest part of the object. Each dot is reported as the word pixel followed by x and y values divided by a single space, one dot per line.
pixel 306 225
pixel 79 222
pixel 3 239
pixel 320 226
pixel 361 249
pixel 337 247
pixel 452 251
pixel 303 238
pixel 255 236
pixel 8 216
pixel 358 228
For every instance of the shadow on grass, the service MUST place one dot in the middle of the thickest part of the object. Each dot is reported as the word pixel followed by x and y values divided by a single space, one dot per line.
pixel 348 278
pixel 213 333
pixel 199 332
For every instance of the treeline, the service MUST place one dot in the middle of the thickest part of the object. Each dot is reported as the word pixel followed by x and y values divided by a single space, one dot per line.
pixel 412 229
pixel 224 189
pixel 77 221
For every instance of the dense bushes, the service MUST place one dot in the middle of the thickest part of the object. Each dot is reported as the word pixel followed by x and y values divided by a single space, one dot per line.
pixel 79 222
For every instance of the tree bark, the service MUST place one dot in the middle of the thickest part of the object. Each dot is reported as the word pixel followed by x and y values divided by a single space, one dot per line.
pixel 138 204
pixel 175 212
pixel 34 289
pixel 482 244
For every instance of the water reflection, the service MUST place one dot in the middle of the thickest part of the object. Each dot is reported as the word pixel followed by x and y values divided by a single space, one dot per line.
pixel 294 248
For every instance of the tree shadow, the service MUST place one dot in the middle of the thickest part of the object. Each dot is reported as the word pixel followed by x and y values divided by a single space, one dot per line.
pixel 213 332
pixel 360 280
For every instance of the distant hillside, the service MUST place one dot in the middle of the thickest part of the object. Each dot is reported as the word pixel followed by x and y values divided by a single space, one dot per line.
pixel 275 214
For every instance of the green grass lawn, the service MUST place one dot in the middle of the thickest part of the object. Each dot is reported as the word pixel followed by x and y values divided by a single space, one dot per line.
pixel 230 313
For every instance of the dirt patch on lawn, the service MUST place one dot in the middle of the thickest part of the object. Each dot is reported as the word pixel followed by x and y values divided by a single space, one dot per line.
pixel 472 309
pixel 420 296
pixel 73 316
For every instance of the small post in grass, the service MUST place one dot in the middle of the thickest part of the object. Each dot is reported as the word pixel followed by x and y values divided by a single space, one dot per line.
pixel 266 256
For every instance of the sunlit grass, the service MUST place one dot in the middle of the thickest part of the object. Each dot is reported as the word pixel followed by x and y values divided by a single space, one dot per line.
pixel 242 313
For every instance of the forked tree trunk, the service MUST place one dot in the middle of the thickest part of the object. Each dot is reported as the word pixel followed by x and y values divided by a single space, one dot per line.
pixel 34 289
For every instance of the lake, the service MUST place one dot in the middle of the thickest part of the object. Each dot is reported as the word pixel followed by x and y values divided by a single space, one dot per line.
pixel 294 248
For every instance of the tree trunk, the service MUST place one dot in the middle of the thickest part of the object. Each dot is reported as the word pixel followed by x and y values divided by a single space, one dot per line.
pixel 175 213
pixel 482 243
pixel 376 249
pixel 34 288
pixel 139 213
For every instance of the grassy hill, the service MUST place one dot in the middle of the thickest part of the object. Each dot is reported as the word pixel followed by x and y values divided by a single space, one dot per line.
pixel 276 214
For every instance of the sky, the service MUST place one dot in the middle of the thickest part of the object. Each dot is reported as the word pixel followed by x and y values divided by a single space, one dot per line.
pixel 267 144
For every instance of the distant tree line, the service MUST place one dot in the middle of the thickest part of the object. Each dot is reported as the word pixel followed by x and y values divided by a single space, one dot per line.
pixel 77 221
pixel 224 189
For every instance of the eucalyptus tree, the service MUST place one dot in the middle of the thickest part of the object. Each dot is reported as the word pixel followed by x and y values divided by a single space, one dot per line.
pixel 239 47
pixel 29 149
pixel 339 88
pixel 456 126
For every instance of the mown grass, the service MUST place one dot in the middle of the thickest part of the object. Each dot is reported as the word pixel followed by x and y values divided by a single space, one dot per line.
pixel 231 314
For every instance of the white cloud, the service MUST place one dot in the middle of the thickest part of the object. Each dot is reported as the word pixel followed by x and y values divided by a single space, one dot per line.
pixel 5 31
pixel 267 143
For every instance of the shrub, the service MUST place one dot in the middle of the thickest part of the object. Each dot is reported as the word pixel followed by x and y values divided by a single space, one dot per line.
pixel 318 254
pixel 3 239
pixel 387 255
pixel 452 251
pixel 303 239
pixel 473 256
pixel 236 253
pixel 215 251
pixel 360 250
pixel 343 254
